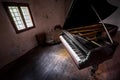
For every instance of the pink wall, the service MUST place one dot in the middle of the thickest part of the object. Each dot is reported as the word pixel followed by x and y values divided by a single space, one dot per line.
pixel 46 14
pixel 115 17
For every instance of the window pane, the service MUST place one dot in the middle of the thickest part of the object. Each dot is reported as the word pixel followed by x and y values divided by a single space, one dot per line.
pixel 14 10
pixel 16 17
pixel 27 17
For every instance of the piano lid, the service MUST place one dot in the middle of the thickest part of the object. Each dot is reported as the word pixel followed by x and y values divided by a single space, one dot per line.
pixel 82 14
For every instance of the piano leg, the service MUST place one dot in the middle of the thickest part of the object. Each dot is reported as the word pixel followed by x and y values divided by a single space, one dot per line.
pixel 93 72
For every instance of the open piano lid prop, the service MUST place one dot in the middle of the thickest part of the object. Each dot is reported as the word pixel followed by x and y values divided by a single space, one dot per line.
pixel 82 14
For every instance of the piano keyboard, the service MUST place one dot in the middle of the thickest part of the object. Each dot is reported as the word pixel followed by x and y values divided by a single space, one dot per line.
pixel 73 45
pixel 70 50
pixel 74 52
pixel 75 48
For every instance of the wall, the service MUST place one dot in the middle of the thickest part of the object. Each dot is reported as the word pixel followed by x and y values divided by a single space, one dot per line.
pixel 115 17
pixel 46 14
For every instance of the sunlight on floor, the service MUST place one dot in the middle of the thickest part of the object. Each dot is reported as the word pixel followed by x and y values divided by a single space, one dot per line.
pixel 62 53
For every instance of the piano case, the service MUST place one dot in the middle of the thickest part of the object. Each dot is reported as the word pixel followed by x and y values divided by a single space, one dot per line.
pixel 82 29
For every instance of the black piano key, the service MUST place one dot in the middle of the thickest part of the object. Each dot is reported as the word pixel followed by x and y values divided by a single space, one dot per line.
pixel 74 47
pixel 78 44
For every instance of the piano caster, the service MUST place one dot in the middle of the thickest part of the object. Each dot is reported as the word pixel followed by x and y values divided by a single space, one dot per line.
pixel 93 70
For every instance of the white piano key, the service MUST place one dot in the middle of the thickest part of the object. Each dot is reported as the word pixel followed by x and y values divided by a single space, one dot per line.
pixel 70 50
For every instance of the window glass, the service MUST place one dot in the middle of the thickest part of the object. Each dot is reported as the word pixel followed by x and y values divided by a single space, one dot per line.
pixel 16 17
pixel 27 17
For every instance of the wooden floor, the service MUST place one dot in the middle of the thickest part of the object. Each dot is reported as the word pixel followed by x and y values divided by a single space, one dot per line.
pixel 54 63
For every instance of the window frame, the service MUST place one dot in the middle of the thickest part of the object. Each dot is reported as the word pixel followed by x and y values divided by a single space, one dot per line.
pixel 7 4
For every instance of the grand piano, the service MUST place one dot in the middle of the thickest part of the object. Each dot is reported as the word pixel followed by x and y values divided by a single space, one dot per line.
pixel 86 37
